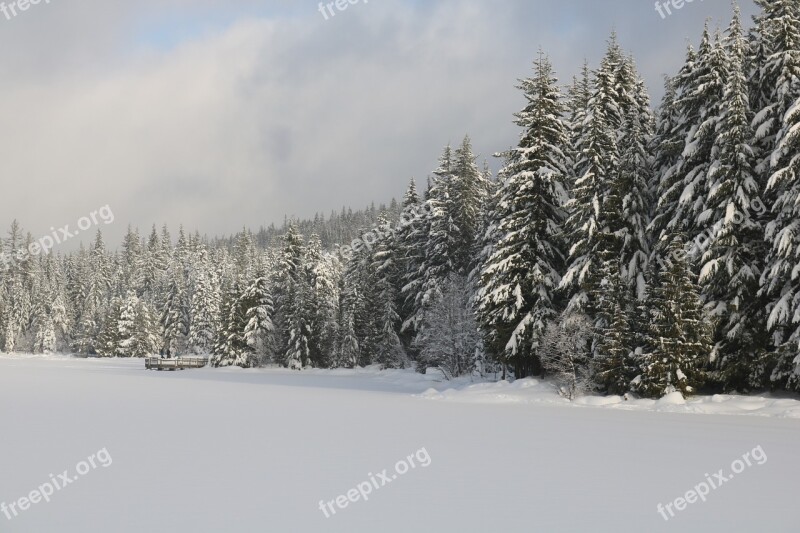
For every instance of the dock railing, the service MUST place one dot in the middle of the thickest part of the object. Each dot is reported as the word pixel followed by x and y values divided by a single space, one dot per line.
pixel 174 363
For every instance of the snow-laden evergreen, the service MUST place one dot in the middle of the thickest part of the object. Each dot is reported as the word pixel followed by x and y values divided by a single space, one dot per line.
pixel 677 340
pixel 518 282
pixel 732 258
pixel 776 84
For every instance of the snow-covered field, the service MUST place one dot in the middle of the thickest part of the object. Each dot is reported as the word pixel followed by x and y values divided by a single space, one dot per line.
pixel 256 450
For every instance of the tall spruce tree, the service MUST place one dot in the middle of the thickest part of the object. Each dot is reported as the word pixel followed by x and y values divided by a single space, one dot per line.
pixel 732 259
pixel 777 83
pixel 614 367
pixel 518 283
pixel 678 340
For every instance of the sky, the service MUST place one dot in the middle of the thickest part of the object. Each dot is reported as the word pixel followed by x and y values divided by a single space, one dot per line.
pixel 223 114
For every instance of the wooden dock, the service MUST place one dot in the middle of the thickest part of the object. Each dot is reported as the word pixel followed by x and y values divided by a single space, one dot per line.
pixel 176 363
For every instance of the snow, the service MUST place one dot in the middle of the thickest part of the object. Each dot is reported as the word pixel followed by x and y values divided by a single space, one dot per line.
pixel 534 391
pixel 256 450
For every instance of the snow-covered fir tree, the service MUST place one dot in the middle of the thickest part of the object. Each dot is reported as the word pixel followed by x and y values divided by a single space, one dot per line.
pixel 259 331
pixel 205 304
pixel 450 340
pixel 519 280
pixel 733 254
pixel 776 84
pixel 614 366
pixel 678 342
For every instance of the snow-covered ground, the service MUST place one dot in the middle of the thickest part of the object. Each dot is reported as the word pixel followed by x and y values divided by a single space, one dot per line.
pixel 256 450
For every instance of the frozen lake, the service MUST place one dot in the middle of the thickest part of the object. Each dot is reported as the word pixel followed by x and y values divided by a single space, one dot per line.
pixel 254 451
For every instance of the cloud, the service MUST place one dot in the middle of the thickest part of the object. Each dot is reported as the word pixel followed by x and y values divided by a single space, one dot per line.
pixel 223 114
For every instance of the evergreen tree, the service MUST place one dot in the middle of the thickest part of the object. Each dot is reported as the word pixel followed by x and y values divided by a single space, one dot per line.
pixel 94 296
pixel 594 212
pixel 347 348
pixel 450 338
pixel 230 347
pixel 259 330
pixel 615 365
pixel 413 240
pixel 175 317
pixel 578 108
pixel 205 305
pixel 677 116
pixel 292 303
pixel 467 196
pixel 389 349
pixel 106 343
pixel 518 281
pixel 774 68
pixel 145 339
pixel 678 342
pixel 732 259
pixel 322 272
pixel 778 84
pixel 634 186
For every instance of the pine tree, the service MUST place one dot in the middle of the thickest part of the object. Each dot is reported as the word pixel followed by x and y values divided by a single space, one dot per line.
pixel 677 116
pixel 145 339
pixel 297 354
pixel 106 343
pixel 293 302
pixel 450 337
pixel 678 341
pixel 259 330
pixel 410 252
pixel 412 239
pixel 175 317
pixel 442 234
pixel 126 326
pixel 42 324
pixel 18 284
pixel 777 85
pixel 389 349
pixel 732 259
pixel 132 275
pixel 321 271
pixel 696 109
pixel 634 184
pixel 578 107
pixel 359 301
pixel 774 68
pixel 614 368
pixel 703 100
pixel 518 281
pixel 347 348
pixel 153 264
pixel 230 347
pixel 205 305
pixel 94 297
pixel 468 194
pixel 594 212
